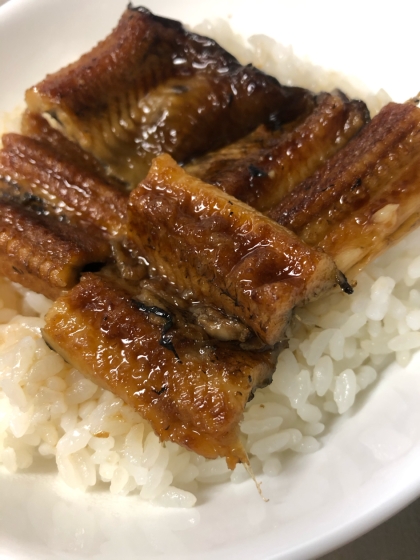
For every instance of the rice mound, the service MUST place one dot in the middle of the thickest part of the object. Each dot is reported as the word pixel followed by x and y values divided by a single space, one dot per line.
pixel 338 345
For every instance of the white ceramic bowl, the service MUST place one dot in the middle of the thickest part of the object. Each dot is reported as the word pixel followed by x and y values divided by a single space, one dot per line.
pixel 369 466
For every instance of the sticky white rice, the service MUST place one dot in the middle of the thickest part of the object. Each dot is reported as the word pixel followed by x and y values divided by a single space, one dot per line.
pixel 338 347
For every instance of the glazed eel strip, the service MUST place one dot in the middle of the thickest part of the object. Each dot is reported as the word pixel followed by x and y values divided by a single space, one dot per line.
pixel 365 197
pixel 223 252
pixel 193 391
pixel 43 253
pixel 152 87
pixel 266 165
pixel 35 168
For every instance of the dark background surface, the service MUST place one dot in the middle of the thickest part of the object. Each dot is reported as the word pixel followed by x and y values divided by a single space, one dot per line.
pixel 396 539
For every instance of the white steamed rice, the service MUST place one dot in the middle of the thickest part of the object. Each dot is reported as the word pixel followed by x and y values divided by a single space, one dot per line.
pixel 338 347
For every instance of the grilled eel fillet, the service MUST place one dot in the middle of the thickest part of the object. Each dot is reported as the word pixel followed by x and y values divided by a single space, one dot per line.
pixel 152 87
pixel 365 197
pixel 193 393
pixel 44 254
pixel 223 252
pixel 263 167
pixel 35 168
